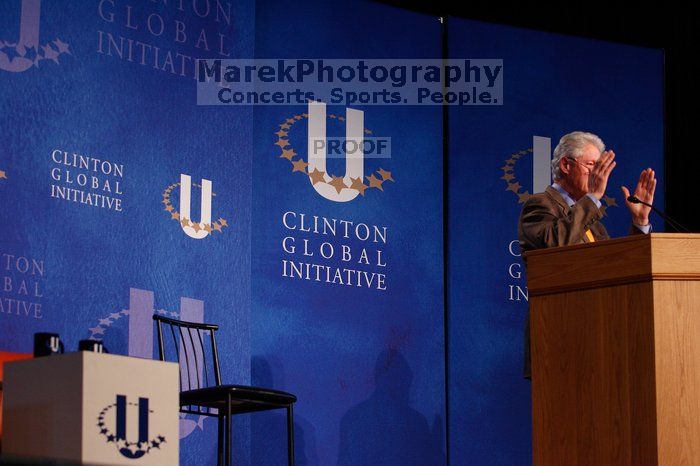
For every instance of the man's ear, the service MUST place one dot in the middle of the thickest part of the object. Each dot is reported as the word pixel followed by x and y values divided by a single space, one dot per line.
pixel 564 165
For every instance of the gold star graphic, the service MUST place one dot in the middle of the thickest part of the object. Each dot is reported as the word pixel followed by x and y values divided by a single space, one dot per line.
pixel 285 126
pixel 386 176
pixel 185 222
pixel 175 215
pixel 338 183
pixel 196 227
pixel 169 208
pixel 217 227
pixel 368 131
pixel 375 182
pixel 316 176
pixel 207 227
pixel 305 115
pixel 3 174
pixel 610 201
pixel 359 185
pixel 281 133
pixel 332 116
pixel 508 176
pixel 223 222
pixel 524 197
pixel 288 154
pixel 165 202
pixel 297 117
pixel 290 120
pixel 341 118
pixel 507 168
pixel 299 166
pixel 282 143
pixel 515 187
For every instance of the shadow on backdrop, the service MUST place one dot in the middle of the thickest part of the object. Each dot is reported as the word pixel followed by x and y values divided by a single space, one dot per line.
pixel 385 429
pixel 269 428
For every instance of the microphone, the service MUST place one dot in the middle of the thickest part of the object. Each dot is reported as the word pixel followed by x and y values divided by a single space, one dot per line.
pixel 676 225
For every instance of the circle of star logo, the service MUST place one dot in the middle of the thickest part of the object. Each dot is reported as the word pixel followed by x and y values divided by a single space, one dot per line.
pixel 132 450
pixel 375 181
pixel 217 225
pixel 513 185
pixel 98 331
pixel 33 55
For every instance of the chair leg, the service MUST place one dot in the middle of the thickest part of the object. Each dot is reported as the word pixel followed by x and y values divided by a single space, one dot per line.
pixel 228 430
pixel 221 445
pixel 290 435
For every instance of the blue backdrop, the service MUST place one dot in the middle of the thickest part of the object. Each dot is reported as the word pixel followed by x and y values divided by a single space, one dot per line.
pixel 111 80
pixel 553 85
pixel 367 364
pixel 99 124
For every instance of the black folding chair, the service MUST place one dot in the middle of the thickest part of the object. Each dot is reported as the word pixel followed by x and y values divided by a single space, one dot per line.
pixel 201 391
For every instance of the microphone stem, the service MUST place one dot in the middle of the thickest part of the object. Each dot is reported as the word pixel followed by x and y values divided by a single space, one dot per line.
pixel 676 225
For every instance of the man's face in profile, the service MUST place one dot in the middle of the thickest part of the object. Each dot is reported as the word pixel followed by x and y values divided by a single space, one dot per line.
pixel 575 171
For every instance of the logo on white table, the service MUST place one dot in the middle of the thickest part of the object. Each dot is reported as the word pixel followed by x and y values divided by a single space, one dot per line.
pixel 112 424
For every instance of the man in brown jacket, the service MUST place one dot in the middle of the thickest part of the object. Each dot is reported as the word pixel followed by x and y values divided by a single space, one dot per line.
pixel 568 211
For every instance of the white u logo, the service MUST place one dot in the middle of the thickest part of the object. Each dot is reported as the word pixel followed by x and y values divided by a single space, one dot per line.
pixel 185 198
pixel 54 344
pixel 354 166
pixel 28 37
pixel 541 163
pixel 26 51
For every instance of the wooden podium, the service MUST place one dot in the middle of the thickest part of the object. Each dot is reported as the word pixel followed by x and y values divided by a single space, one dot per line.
pixel 615 334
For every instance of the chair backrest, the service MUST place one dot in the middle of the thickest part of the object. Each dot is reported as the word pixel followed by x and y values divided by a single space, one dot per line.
pixel 198 359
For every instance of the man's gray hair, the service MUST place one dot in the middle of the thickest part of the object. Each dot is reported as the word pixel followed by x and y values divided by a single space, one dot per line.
pixel 571 145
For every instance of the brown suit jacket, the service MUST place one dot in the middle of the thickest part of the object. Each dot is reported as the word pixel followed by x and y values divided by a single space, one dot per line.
pixel 547 221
